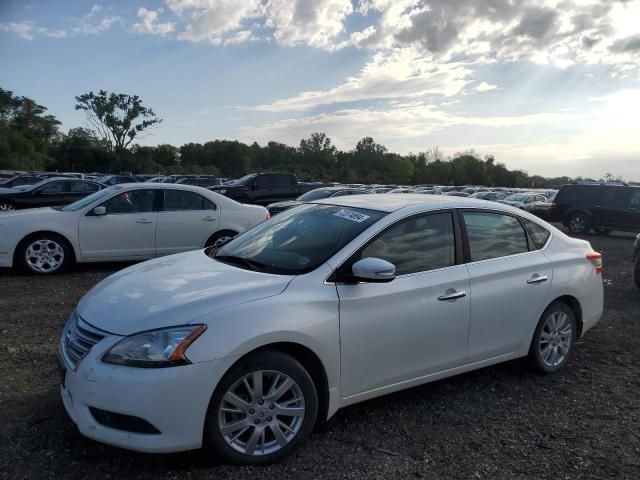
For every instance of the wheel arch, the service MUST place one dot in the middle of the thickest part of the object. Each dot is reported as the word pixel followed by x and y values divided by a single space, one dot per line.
pixel 574 304
pixel 308 359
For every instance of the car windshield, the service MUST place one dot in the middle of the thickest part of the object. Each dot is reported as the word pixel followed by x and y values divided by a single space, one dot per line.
pixel 243 180
pixel 298 240
pixel 86 201
pixel 315 195
pixel 517 197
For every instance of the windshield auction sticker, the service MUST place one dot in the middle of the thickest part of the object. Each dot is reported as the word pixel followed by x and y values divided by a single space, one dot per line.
pixel 351 215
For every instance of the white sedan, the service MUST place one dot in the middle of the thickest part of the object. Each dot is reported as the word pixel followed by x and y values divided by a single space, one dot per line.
pixel 122 223
pixel 243 348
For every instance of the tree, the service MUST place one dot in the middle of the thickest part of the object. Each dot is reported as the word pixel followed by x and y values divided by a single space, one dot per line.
pixel 117 117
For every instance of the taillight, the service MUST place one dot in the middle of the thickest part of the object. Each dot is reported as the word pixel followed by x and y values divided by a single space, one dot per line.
pixel 596 259
pixel 268 215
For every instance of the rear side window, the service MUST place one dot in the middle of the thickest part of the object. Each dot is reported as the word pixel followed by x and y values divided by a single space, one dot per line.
pixel 539 234
pixel 417 244
pixel 580 194
pixel 183 200
pixel 494 235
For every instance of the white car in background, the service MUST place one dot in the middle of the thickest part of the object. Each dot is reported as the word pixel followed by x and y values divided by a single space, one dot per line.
pixel 242 348
pixel 126 222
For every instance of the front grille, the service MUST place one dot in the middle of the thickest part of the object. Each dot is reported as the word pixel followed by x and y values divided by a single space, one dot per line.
pixel 119 421
pixel 78 338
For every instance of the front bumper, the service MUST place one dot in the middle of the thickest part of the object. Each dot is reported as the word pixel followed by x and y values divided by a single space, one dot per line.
pixel 174 400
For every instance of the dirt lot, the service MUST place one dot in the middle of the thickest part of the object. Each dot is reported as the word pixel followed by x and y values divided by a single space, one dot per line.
pixel 499 422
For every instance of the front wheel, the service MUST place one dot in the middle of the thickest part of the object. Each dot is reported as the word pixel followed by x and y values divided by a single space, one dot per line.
pixel 553 339
pixel 262 408
pixel 44 254
pixel 6 207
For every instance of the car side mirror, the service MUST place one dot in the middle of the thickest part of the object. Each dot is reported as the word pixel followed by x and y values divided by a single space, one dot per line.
pixel 373 269
pixel 99 211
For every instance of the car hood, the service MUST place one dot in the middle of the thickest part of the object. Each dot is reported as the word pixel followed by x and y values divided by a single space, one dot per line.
pixel 173 290
pixel 28 213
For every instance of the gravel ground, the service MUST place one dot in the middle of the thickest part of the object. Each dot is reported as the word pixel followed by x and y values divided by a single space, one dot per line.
pixel 498 422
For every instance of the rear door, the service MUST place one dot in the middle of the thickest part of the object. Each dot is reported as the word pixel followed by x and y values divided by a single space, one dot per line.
pixel 510 283
pixel 185 221
pixel 127 231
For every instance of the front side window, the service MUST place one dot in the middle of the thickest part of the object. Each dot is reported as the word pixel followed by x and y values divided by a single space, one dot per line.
pixel 181 200
pixel 416 245
pixel 133 201
pixel 298 240
pixel 494 235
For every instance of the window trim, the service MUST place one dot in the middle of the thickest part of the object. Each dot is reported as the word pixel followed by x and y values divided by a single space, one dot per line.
pixel 335 278
pixel 531 246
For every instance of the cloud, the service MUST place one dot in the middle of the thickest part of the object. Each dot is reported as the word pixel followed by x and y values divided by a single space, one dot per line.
pixel 627 44
pixel 485 87
pixel 149 23
pixel 29 30
pixel 403 73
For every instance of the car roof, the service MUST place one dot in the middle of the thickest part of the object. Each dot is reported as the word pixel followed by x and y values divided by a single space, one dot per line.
pixel 163 186
pixel 390 202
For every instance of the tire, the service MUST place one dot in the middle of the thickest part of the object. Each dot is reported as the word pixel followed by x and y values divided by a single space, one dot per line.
pixel 556 331
pixel 44 254
pixel 219 236
pixel 245 418
pixel 579 223
pixel 6 206
pixel 603 231
pixel 636 273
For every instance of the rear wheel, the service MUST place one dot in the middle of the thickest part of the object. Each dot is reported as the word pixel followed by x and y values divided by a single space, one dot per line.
pixel 44 254
pixel 262 408
pixel 6 206
pixel 553 339
pixel 579 223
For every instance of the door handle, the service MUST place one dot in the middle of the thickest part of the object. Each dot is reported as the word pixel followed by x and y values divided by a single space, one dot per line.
pixel 209 219
pixel 144 220
pixel 452 296
pixel 538 279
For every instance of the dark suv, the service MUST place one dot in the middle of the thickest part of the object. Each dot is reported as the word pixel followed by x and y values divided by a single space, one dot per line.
pixel 599 206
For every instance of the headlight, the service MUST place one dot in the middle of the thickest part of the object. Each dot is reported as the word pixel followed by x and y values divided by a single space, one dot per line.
pixel 155 348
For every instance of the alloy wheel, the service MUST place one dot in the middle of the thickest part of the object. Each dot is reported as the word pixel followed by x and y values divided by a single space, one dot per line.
pixel 44 256
pixel 6 207
pixel 261 413
pixel 555 338
pixel 578 224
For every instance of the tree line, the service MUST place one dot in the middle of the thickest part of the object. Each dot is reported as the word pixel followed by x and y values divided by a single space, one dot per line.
pixel 30 139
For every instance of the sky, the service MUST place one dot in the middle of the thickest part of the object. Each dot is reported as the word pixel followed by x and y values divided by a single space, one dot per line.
pixel 548 86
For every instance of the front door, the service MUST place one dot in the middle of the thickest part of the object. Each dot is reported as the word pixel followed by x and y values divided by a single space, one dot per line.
pixel 127 231
pixel 416 324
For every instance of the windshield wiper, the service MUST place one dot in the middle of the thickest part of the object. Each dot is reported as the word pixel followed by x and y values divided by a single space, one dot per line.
pixel 233 259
